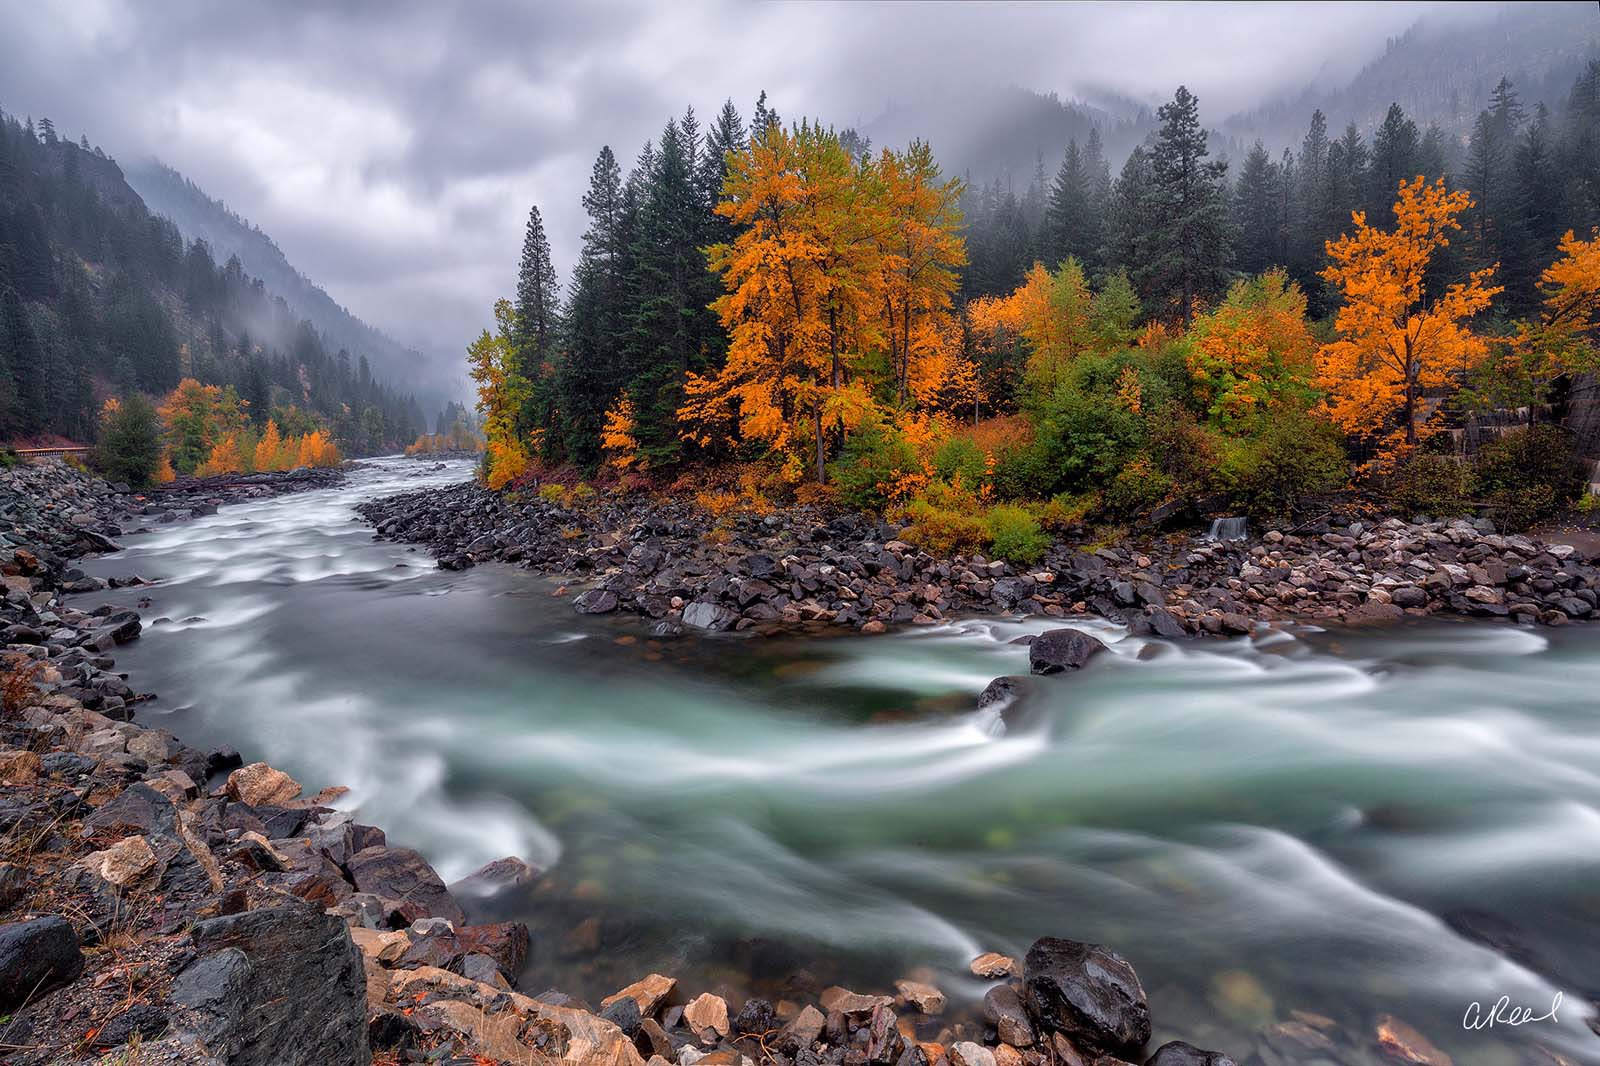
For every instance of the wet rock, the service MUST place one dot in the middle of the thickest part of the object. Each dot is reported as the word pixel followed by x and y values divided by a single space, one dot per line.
pixel 993 966
pixel 710 616
pixel 1059 650
pixel 506 943
pixel 926 998
pixel 844 1001
pixel 1087 993
pixel 966 1053
pixel 137 809
pixel 1003 1009
pixel 755 1017
pixel 36 958
pixel 1179 1053
pixel 491 879
pixel 623 1012
pixel 1402 1043
pixel 596 601
pixel 280 986
pixel 803 1030
pixel 403 875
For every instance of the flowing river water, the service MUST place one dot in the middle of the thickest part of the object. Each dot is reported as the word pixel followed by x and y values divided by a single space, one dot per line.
pixel 1398 822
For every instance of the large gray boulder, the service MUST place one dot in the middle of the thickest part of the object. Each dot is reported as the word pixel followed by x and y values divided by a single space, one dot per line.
pixel 36 958
pixel 280 986
pixel 1059 650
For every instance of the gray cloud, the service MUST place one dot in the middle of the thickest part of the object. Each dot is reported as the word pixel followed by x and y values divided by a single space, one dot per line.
pixel 392 149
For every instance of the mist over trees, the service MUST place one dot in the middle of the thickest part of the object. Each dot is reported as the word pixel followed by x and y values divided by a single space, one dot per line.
pixel 99 297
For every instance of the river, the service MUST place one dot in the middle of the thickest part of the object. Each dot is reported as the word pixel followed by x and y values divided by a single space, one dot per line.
pixel 1333 823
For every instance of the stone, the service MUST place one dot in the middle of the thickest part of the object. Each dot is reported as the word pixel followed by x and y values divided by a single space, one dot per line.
pixel 1403 1043
pixel 803 1030
pixel 755 1017
pixel 123 862
pixel 845 1001
pixel 277 986
pixel 1059 650
pixel 506 943
pixel 13 884
pixel 707 1012
pixel 260 785
pixel 36 958
pixel 490 1035
pixel 136 809
pixel 403 875
pixel 1087 993
pixel 623 1012
pixel 710 616
pixel 1179 1053
pixel 993 966
pixel 926 998
pixel 144 1021
pixel 966 1053
pixel 1003 1008
pixel 647 993
pixel 596 601
pixel 491 879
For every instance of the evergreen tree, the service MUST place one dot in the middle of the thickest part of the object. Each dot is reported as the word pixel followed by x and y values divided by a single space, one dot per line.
pixel 1188 244
pixel 592 374
pixel 538 299
pixel 1258 212
pixel 1396 148
pixel 1071 226
pixel 1127 217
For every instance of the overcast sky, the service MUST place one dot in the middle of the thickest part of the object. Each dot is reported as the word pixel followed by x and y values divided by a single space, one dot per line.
pixel 392 148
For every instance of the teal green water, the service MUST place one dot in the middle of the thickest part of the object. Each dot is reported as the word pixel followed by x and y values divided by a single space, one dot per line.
pixel 1341 824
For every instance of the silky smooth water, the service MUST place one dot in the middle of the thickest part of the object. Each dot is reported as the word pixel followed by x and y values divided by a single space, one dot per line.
pixel 1397 822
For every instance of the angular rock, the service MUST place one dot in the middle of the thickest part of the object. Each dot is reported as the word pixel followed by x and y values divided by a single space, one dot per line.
pixel 36 958
pixel 278 986
pixel 926 998
pixel 1179 1053
pixel 993 966
pixel 260 785
pixel 647 993
pixel 506 943
pixel 136 809
pixel 1003 1008
pixel 122 863
pixel 966 1053
pixel 491 879
pixel 707 1012
pixel 401 874
pixel 1087 993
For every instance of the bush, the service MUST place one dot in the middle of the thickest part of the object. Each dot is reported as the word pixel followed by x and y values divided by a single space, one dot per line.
pixel 1430 484
pixel 1014 534
pixel 960 458
pixel 871 466
pixel 130 442
pixel 944 521
pixel 1294 455
pixel 1082 441
pixel 1137 487
pixel 1528 475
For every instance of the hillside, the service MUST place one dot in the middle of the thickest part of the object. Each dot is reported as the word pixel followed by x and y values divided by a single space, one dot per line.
pixel 100 297
pixel 1442 73
pixel 199 217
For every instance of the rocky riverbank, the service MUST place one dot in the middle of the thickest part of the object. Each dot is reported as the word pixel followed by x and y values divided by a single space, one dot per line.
pixel 681 568
pixel 162 904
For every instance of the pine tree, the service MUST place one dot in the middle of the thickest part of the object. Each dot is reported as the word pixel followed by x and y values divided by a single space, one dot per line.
pixel 1257 212
pixel 538 299
pixel 1395 150
pixel 592 373
pixel 1312 216
pixel 1189 240
pixel 1580 151
pixel 1069 221
pixel 1127 215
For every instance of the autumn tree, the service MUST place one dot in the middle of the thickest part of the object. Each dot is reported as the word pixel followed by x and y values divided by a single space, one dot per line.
pixel 492 362
pixel 268 447
pixel 198 417
pixel 224 458
pixel 1395 342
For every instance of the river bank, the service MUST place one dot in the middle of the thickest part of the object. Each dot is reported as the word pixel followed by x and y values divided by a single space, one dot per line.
pixel 171 900
pixel 679 567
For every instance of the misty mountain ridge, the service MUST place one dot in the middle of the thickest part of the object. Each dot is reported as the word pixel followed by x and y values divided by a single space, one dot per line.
pixel 199 216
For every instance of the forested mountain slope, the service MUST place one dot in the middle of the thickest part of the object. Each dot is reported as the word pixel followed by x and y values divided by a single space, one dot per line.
pixel 98 296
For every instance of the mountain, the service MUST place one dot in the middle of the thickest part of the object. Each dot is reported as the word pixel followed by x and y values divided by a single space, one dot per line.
pixel 202 218
pixel 100 297
pixel 1442 72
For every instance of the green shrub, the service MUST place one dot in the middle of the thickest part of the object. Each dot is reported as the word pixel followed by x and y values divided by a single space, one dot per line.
pixel 872 461
pixel 1294 455
pixel 1014 534
pixel 1528 474
pixel 944 521
pixel 1430 484
pixel 130 443
pixel 1081 442
pixel 1137 487
pixel 960 458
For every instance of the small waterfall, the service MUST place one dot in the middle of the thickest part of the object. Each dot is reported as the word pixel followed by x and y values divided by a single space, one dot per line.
pixel 1227 529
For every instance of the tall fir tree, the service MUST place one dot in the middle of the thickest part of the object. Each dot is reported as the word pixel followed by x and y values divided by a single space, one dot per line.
pixel 1258 212
pixel 1188 247
pixel 1396 147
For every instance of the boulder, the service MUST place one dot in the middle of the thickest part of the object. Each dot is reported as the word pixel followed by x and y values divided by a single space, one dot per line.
pixel 1003 1008
pixel 136 809
pixel 506 943
pixel 260 785
pixel 1088 993
pixel 647 993
pixel 711 616
pixel 1059 650
pixel 122 863
pixel 926 998
pixel 36 958
pixel 401 874
pixel 966 1053
pixel 596 601
pixel 491 879
pixel 279 986
pixel 707 1015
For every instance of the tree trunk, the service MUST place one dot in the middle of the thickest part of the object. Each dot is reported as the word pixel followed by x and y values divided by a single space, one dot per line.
pixel 816 425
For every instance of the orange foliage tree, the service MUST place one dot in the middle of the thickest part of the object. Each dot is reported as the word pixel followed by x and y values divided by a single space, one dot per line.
pixel 268 447
pixel 1395 340
pixel 225 458
pixel 617 439
pixel 197 418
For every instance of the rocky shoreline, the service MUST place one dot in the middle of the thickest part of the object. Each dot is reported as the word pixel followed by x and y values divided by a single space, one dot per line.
pixel 680 568
pixel 162 904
